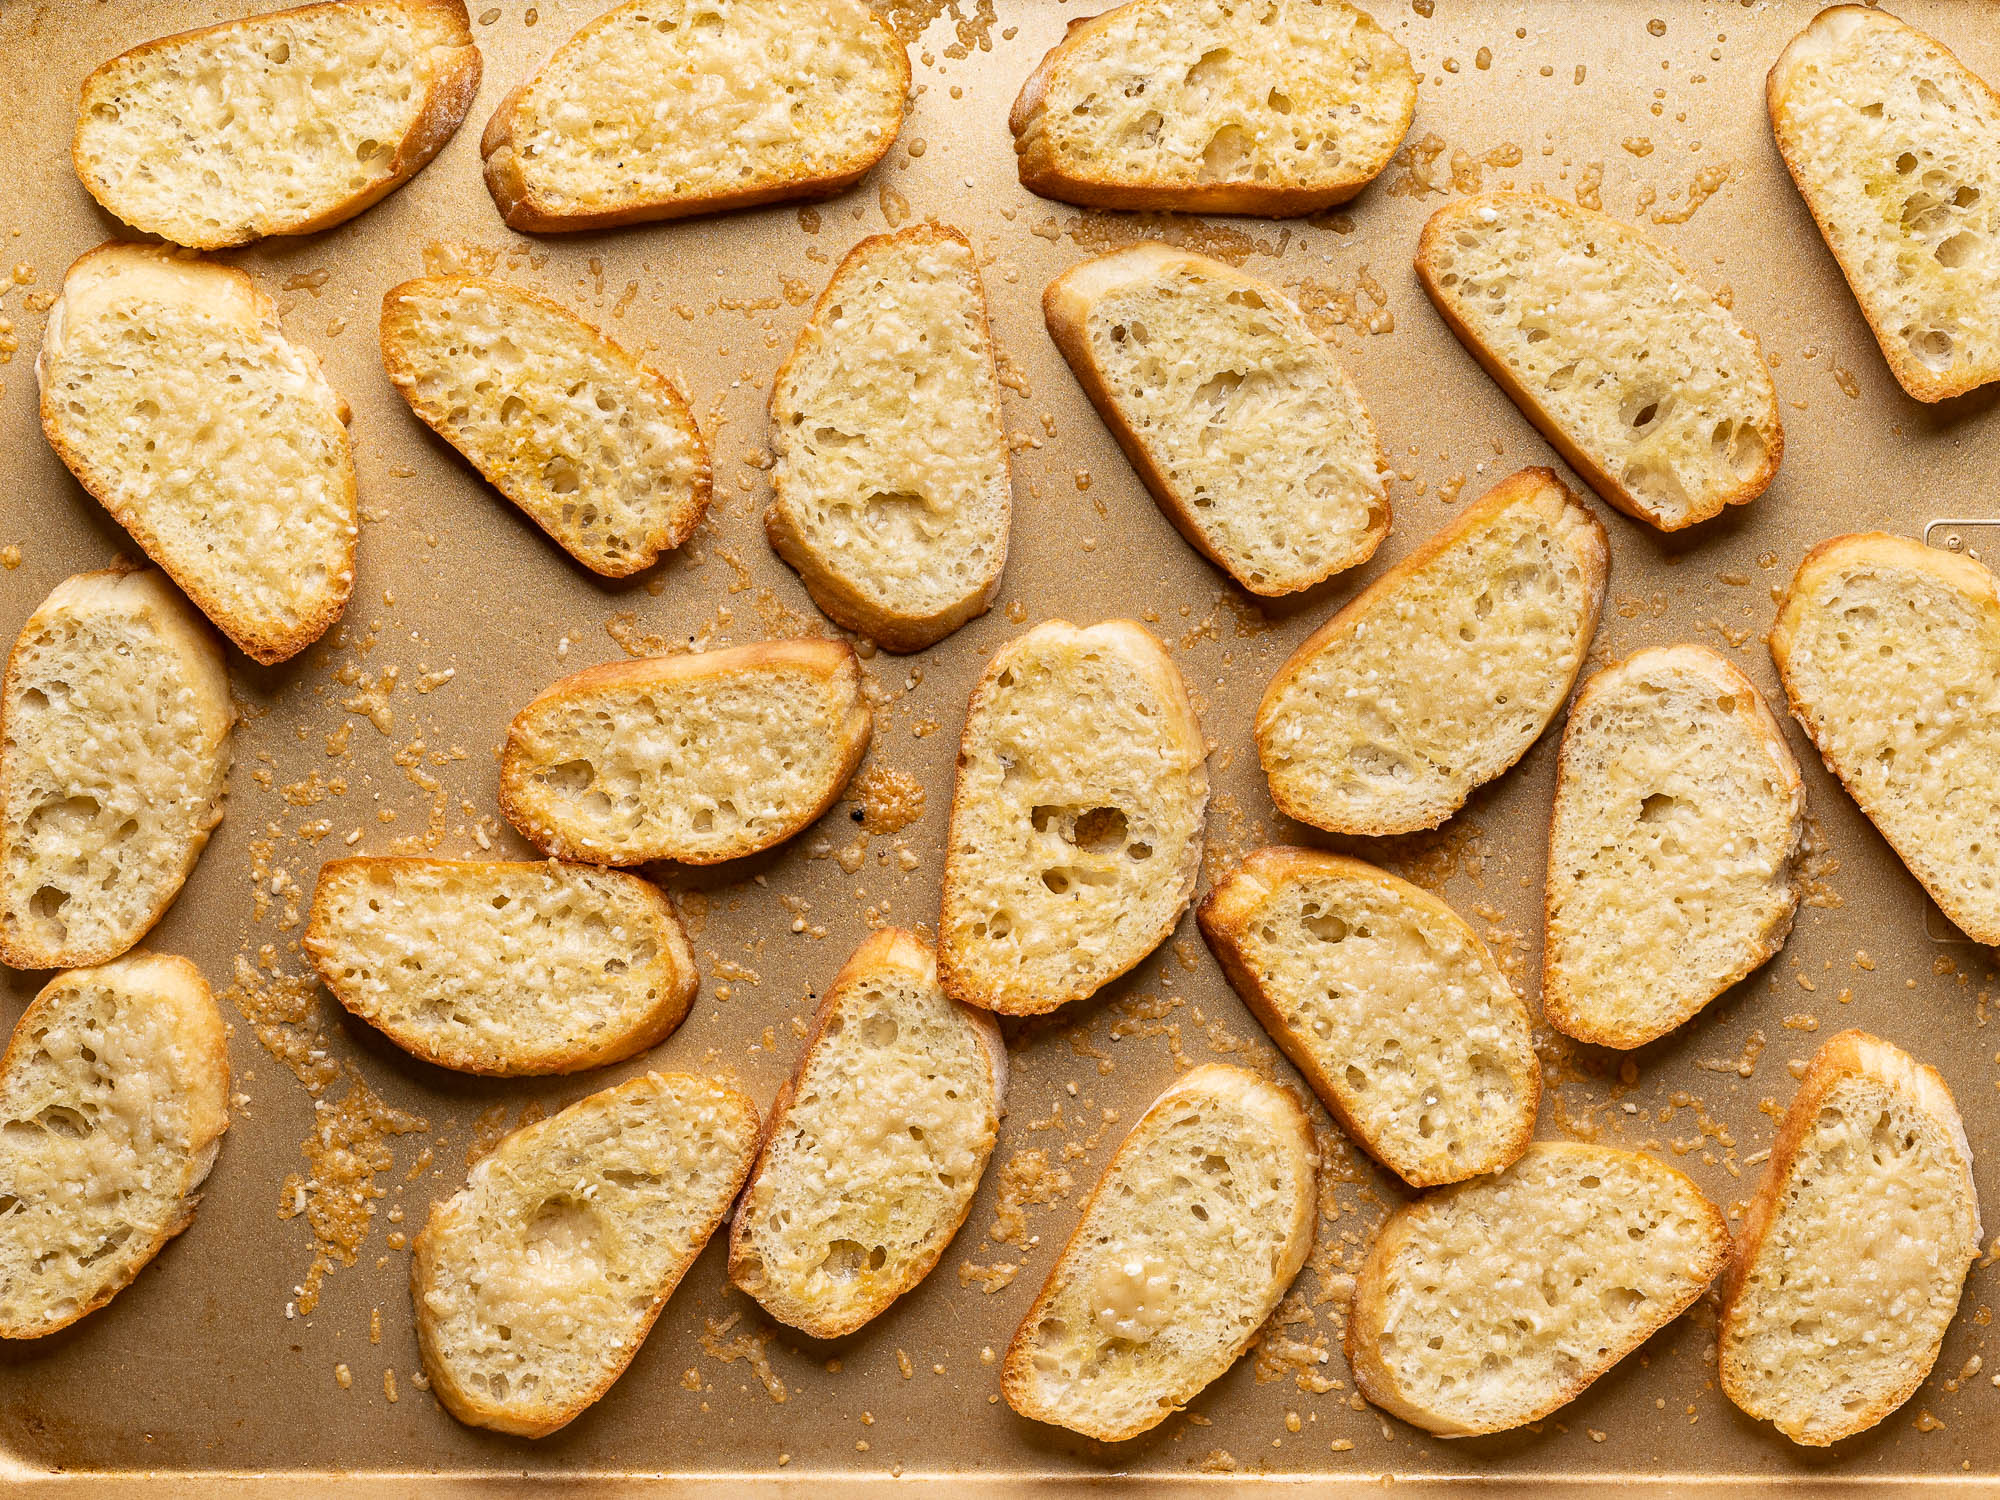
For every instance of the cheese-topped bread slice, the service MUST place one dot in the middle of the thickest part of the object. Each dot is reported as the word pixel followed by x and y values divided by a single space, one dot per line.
pixel 1387 1004
pixel 1855 1249
pixel 114 1093
pixel 594 444
pixel 697 758
pixel 662 108
pixel 114 749
pixel 1678 811
pixel 537 1281
pixel 1895 146
pixel 502 967
pixel 1442 672
pixel 1076 819
pixel 1185 1247
pixel 286 123
pixel 1253 441
pixel 1272 107
pixel 1639 378
pixel 1890 654
pixel 171 391
pixel 1492 1303
pixel 875 1147
pixel 891 459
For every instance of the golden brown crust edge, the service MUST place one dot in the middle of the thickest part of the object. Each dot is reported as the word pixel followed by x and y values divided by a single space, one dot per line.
pixel 402 375
pixel 1066 310
pixel 1607 487
pixel 1233 903
pixel 1557 1007
pixel 886 947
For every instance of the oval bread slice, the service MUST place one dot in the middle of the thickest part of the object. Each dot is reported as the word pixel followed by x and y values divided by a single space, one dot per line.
pixel 1890 651
pixel 1492 1303
pixel 287 123
pixel 1076 819
pixel 697 758
pixel 875 1147
pixel 1271 107
pixel 502 967
pixel 114 1093
pixel 537 1281
pixel 595 445
pixel 114 751
pixel 1895 146
pixel 1855 1248
pixel 1185 1247
pixel 1253 441
pixel 663 108
pixel 1387 1004
pixel 171 391
pixel 891 475
pixel 1603 338
pixel 1442 672
pixel 1678 811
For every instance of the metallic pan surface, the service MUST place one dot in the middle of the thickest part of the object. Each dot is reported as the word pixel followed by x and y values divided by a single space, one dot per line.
pixel 212 1366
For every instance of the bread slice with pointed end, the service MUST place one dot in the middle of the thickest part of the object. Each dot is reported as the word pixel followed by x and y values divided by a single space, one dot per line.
pixel 114 751
pixel 1889 651
pixel 1076 819
pixel 1186 1245
pixel 1440 674
pixel 1270 107
pixel 537 1281
pixel 663 108
pixel 1253 441
pixel 875 1147
pixel 697 758
pixel 1387 1004
pixel 1895 146
pixel 595 445
pixel 114 1093
pixel 1855 1249
pixel 891 474
pixel 176 399
pixel 1603 338
pixel 502 967
pixel 1678 811
pixel 1492 1303
pixel 287 123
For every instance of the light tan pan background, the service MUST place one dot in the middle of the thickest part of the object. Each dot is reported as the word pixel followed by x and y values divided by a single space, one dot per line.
pixel 213 1363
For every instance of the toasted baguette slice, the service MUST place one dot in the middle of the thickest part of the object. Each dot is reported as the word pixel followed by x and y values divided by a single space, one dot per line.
pixel 697 758
pixel 1387 1004
pixel 286 123
pixel 1253 441
pixel 1889 650
pixel 507 968
pixel 114 1093
pixel 114 750
pixel 174 396
pixel 891 474
pixel 1201 1220
pixel 1855 1248
pixel 663 108
pixel 1441 673
pixel 537 1281
pixel 1603 338
pixel 1492 1303
pixel 1076 819
pixel 1270 107
pixel 1678 811
pixel 595 445
pixel 1895 146
pixel 876 1144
